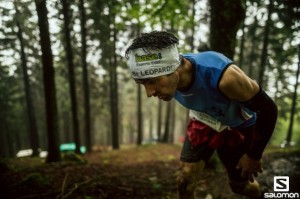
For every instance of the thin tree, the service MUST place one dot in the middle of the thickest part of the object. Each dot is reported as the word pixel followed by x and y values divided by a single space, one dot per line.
pixel 252 55
pixel 241 53
pixel 173 121
pixel 166 135
pixel 139 104
pixel 139 115
pixel 159 118
pixel 114 86
pixel 72 82
pixel 85 78
pixel 294 103
pixel 192 18
pixel 33 131
pixel 151 125
pixel 264 51
pixel 49 82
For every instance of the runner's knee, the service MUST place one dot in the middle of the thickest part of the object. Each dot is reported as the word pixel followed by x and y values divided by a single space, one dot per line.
pixel 189 175
pixel 191 169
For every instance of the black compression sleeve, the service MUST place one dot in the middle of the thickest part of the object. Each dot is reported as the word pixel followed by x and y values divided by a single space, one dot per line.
pixel 266 111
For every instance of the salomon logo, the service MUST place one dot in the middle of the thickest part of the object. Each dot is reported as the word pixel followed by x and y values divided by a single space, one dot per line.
pixel 281 183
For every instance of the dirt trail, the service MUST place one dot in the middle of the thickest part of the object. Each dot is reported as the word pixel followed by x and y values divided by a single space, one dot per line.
pixel 146 172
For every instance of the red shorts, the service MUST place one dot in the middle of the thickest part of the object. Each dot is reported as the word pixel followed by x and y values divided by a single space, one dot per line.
pixel 201 143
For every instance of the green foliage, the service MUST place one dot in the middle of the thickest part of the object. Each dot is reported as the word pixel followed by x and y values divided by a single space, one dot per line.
pixel 279 135
pixel 286 150
pixel 73 157
pixel 282 58
pixel 35 179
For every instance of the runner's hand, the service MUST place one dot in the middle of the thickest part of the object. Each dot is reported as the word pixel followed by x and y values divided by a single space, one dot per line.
pixel 249 167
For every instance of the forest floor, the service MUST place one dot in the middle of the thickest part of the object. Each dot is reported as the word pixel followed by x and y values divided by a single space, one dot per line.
pixel 145 172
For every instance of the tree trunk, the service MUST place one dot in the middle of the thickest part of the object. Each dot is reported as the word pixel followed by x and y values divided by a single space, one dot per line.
pixel 114 93
pixel 159 120
pixel 10 147
pixel 241 54
pixel 193 2
pixel 264 53
pixel 72 82
pixel 226 18
pixel 139 115
pixel 294 103
pixel 139 103
pixel 173 121
pixel 49 82
pixel 3 143
pixel 151 125
pixel 33 132
pixel 67 130
pixel 85 79
pixel 166 135
pixel 253 48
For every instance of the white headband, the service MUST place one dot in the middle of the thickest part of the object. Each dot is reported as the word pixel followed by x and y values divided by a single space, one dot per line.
pixel 153 63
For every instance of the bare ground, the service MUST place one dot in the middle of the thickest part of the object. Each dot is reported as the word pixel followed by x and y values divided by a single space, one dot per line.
pixel 146 172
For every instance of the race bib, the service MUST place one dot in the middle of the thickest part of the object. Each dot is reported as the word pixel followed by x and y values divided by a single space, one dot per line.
pixel 208 120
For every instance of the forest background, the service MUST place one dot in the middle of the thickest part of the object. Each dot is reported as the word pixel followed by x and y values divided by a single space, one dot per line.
pixel 64 77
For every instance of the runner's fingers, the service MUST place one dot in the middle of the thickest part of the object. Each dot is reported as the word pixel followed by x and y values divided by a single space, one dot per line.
pixel 244 173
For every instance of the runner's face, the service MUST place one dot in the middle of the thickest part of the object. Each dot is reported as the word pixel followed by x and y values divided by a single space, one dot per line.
pixel 163 87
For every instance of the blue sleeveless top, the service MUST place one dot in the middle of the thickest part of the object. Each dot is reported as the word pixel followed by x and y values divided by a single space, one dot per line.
pixel 204 94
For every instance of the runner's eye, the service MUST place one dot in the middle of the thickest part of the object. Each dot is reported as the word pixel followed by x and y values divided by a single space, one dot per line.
pixel 152 81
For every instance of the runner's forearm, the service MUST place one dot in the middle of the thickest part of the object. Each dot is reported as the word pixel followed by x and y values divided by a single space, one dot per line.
pixel 266 111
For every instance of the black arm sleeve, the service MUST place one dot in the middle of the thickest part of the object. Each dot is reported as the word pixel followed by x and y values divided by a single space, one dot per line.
pixel 266 111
